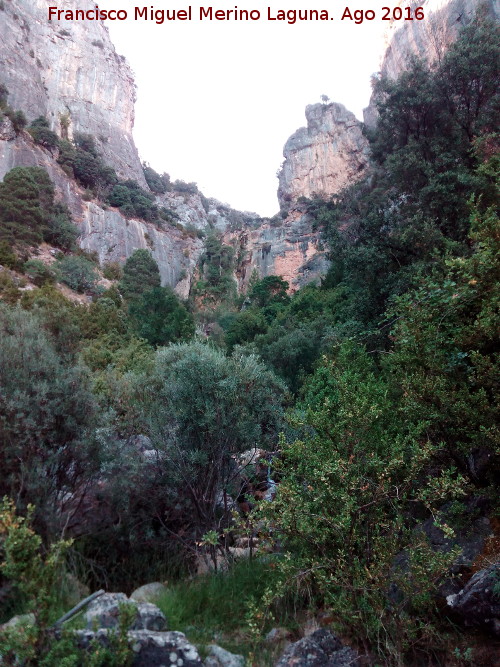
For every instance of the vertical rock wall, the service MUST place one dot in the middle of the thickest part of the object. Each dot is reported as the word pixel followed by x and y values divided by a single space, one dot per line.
pixel 57 69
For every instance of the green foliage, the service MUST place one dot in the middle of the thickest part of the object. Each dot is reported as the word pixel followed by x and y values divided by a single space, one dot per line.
pixel 76 272
pixel 38 272
pixel 200 408
pixel 17 118
pixel 216 603
pixel 160 317
pixel 140 274
pixel 46 416
pixel 112 271
pixel 37 578
pixel 133 201
pixel 446 356
pixel 7 257
pixel 42 134
pixel 158 184
pixel 344 507
pixel 28 213
pixel 216 268
pixel 60 230
pixel 26 197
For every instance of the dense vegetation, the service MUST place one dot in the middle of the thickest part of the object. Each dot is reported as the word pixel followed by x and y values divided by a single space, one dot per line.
pixel 375 394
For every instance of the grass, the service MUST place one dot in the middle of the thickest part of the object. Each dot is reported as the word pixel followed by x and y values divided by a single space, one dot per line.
pixel 213 608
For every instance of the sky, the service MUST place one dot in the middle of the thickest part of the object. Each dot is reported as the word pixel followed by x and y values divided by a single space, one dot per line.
pixel 216 101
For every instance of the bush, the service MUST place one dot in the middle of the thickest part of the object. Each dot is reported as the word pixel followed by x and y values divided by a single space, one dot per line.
pixel 42 134
pixel 26 200
pixel 46 411
pixel 112 271
pixel 38 272
pixel 158 184
pixel 77 273
pixel 160 318
pixel 140 274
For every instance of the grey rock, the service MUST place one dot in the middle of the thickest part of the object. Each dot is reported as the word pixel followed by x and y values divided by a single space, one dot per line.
pixel 104 612
pixel 149 592
pixel 427 39
pixel 320 649
pixel 277 635
pixel 219 657
pixel 53 68
pixel 151 649
pixel 22 620
pixel 478 603
pixel 324 157
pixel 7 132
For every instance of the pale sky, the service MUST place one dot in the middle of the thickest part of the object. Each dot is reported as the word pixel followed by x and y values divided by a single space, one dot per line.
pixel 217 100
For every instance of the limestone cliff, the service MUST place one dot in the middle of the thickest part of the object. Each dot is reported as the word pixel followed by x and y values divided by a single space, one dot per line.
pixel 427 39
pixel 60 69
pixel 323 157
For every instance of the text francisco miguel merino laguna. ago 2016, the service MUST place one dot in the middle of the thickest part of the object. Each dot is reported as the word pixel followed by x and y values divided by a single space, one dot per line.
pixel 160 16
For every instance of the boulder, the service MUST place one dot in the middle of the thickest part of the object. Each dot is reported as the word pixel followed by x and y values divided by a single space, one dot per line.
pixel 151 649
pixel 24 620
pixel 321 649
pixel 104 612
pixel 149 592
pixel 278 635
pixel 219 657
pixel 478 603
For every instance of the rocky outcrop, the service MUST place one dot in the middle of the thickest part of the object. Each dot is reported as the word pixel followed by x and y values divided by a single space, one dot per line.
pixel 288 248
pixel 478 603
pixel 70 71
pixel 219 657
pixel 150 649
pixel 324 157
pixel 104 612
pixel 427 39
pixel 321 649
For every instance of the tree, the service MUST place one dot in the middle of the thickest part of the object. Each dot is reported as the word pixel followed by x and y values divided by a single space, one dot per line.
pixel 46 416
pixel 42 134
pixel 76 272
pixel 200 409
pixel 140 274
pixel 26 196
pixel 160 318
pixel 345 508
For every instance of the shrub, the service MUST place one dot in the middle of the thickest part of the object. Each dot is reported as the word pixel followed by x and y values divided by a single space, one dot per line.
pixel 76 272
pixel 112 271
pixel 38 272
pixel 42 134
pixel 46 411
pixel 140 274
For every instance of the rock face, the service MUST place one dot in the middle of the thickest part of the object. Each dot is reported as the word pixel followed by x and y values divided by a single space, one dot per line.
pixel 288 248
pixel 427 39
pixel 71 70
pixel 324 157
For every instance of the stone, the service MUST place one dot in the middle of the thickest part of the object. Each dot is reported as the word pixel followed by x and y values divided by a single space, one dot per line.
pixel 22 620
pixel 151 649
pixel 149 592
pixel 104 612
pixel 277 635
pixel 219 657
pixel 7 132
pixel 320 649
pixel 478 603
pixel 324 157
